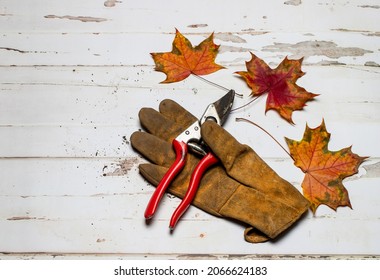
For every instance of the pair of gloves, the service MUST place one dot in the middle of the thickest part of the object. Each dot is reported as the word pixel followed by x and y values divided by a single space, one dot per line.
pixel 242 187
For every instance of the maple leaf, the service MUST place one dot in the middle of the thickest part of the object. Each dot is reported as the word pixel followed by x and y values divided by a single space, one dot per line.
pixel 284 95
pixel 184 59
pixel 324 170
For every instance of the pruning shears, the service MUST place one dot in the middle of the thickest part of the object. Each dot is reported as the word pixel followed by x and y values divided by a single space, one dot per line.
pixel 190 139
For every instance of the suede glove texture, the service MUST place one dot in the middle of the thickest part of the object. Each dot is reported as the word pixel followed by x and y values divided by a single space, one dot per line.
pixel 241 187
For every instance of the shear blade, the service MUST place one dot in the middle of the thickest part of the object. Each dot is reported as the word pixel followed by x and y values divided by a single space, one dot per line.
pixel 220 109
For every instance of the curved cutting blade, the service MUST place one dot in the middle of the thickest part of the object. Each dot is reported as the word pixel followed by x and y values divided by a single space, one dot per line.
pixel 220 109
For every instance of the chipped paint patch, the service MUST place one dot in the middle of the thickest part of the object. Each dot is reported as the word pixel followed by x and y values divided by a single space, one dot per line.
pixel 370 6
pixel 376 34
pixel 328 63
pixel 100 240
pixel 111 3
pixel 80 18
pixel 224 49
pixel 229 37
pixel 20 218
pixel 372 170
pixel 254 32
pixel 312 48
pixel 200 25
pixel 293 2
pixel 364 32
pixel 121 168
pixel 371 64
pixel 197 257
pixel 22 51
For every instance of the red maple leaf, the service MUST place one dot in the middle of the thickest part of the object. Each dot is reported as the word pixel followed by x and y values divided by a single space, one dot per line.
pixel 184 59
pixel 324 170
pixel 284 95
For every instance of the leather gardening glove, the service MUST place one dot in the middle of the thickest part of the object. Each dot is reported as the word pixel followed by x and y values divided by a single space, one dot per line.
pixel 242 187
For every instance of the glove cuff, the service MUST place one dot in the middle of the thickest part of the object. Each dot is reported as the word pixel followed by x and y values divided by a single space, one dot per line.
pixel 267 217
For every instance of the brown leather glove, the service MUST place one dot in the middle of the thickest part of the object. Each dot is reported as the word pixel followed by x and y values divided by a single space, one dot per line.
pixel 242 187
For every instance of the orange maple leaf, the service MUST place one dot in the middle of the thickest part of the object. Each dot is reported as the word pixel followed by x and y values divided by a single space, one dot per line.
pixel 284 95
pixel 324 170
pixel 184 59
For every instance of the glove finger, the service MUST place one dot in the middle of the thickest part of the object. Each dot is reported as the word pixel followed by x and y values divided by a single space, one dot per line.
pixel 173 111
pixel 158 125
pixel 167 124
pixel 153 173
pixel 153 148
pixel 214 191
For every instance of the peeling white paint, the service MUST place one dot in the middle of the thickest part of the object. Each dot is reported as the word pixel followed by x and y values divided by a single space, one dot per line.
pixel 370 6
pixel 293 2
pixel 111 3
pixel 79 18
pixel 372 64
pixel 229 37
pixel 372 170
pixel 199 25
pixel 312 48
pixel 121 168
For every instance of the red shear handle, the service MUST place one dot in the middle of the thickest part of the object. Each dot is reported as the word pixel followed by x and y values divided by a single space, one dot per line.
pixel 180 148
pixel 207 161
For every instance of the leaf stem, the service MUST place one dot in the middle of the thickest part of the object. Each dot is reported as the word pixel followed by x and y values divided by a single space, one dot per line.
pixel 253 99
pixel 215 84
pixel 211 83
pixel 255 124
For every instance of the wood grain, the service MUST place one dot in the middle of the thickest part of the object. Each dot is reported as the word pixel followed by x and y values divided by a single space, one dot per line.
pixel 74 75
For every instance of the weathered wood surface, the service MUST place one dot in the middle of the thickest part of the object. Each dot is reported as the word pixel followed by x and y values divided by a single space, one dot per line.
pixel 75 73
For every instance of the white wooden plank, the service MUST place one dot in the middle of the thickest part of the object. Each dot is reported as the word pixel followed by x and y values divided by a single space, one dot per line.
pixel 163 16
pixel 73 177
pixel 191 238
pixel 353 48
pixel 119 106
pixel 125 78
pixel 64 141
pixel 73 141
pixel 93 128
pixel 205 257
pixel 105 216
pixel 87 98
pixel 59 177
